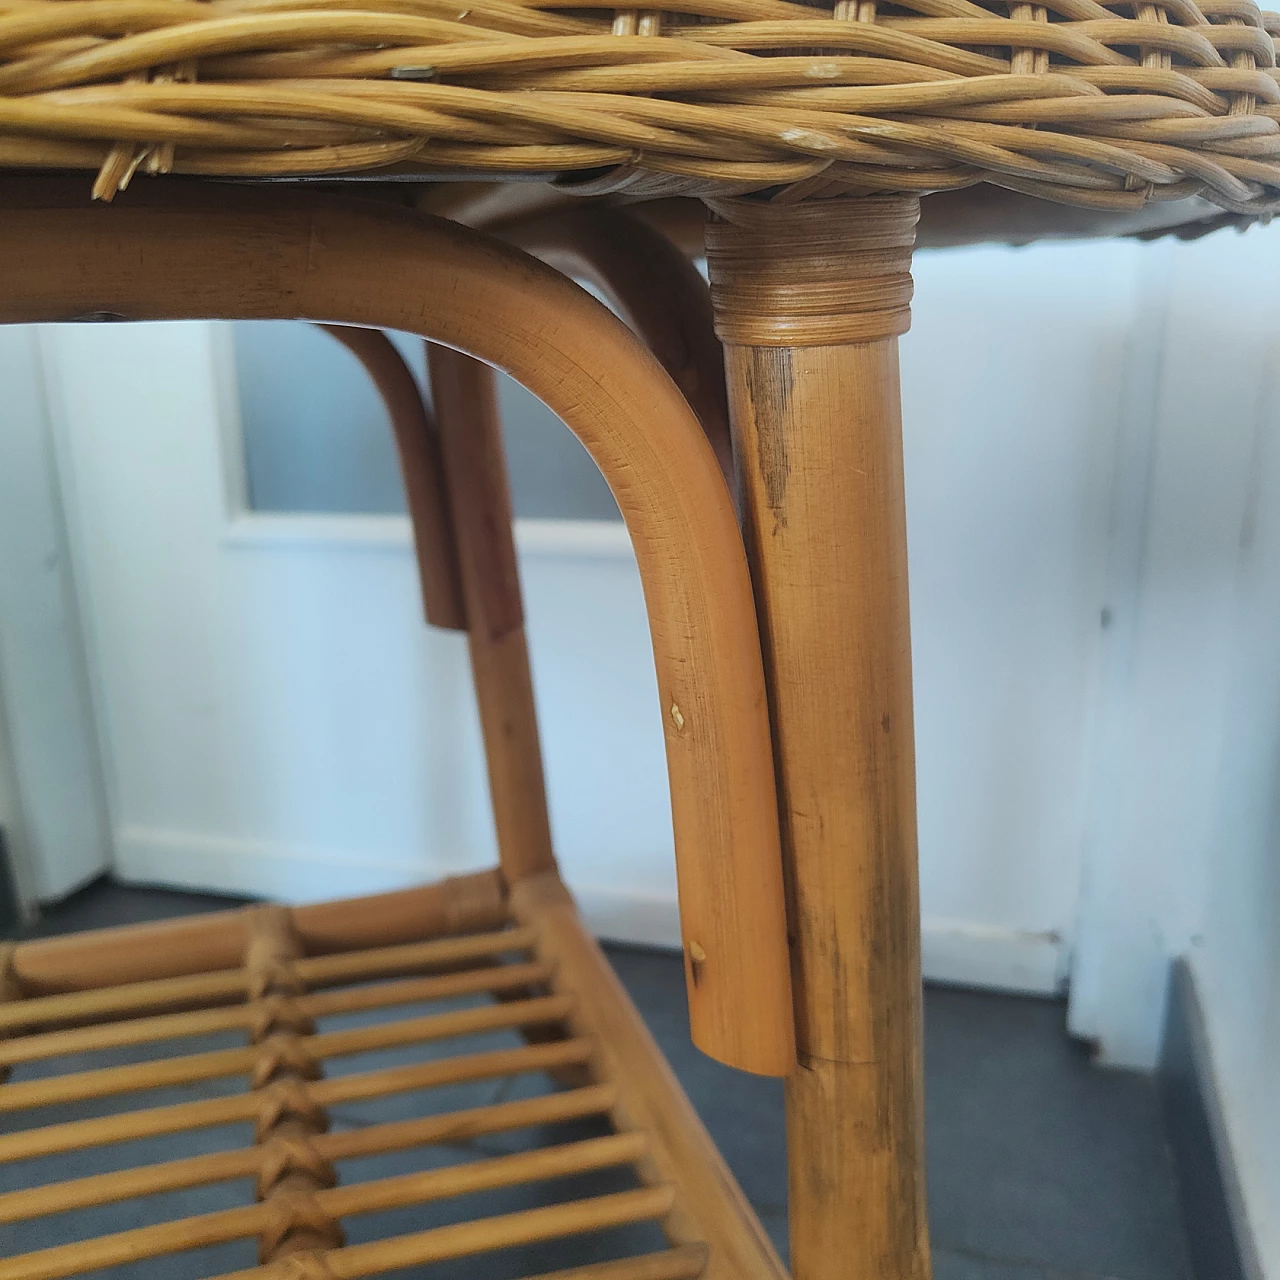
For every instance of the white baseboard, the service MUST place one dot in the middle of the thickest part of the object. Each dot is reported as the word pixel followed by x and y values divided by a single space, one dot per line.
pixel 992 957
pixel 954 952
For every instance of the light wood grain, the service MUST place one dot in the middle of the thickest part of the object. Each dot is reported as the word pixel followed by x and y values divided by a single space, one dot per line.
pixel 465 396
pixel 105 1082
pixel 263 254
pixel 204 943
pixel 374 1196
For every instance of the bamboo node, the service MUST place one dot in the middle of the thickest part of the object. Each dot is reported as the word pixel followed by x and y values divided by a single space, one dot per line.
pixel 293 1212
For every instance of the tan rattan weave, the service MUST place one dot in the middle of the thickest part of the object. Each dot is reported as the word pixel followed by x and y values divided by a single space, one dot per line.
pixel 1106 106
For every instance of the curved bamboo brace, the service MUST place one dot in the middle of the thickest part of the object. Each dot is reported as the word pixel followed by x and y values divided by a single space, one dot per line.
pixel 421 468
pixel 654 286
pixel 271 255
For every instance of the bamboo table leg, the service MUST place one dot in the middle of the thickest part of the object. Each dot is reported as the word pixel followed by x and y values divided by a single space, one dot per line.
pixel 810 300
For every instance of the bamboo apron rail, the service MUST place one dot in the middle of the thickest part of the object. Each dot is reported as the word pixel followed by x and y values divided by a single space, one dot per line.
pixel 751 434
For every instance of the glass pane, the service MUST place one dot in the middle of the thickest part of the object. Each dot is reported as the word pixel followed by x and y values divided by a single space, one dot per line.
pixel 316 438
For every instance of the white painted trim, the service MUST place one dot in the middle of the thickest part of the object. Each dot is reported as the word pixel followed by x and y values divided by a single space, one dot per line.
pixel 955 952
pixel 303 531
pixel 547 539
pixel 220 864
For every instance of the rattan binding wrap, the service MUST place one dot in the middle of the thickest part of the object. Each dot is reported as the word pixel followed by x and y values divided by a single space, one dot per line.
pixel 1106 106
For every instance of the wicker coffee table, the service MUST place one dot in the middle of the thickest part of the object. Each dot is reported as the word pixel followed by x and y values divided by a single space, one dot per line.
pixel 444 169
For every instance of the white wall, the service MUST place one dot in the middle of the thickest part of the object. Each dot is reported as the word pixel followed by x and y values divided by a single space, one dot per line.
pixel 1235 956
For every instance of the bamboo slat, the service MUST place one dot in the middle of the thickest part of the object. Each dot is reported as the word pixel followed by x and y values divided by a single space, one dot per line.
pixel 220 986
pixel 132 1246
pixel 204 1114
pixel 207 943
pixel 381 962
pixel 108 1081
pixel 292 1220
pixel 173 1026
pixel 711 1208
pixel 684 1263
pixel 538 1165
pixel 486 1235
pixel 195 1171
pixel 230 985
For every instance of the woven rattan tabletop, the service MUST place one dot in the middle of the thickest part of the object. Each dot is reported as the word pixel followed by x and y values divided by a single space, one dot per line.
pixel 1102 106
